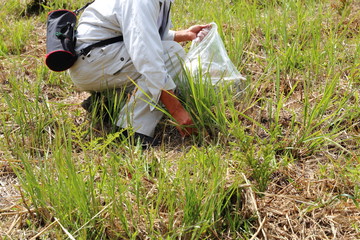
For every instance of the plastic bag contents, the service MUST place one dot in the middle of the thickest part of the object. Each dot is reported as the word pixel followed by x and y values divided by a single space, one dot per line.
pixel 207 56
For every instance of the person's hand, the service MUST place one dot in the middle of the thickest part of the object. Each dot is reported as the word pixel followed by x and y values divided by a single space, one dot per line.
pixel 193 31
pixel 189 34
pixel 178 112
pixel 184 121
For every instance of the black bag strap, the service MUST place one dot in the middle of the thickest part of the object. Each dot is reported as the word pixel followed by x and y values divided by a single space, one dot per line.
pixel 86 50
pixel 102 43
pixel 77 11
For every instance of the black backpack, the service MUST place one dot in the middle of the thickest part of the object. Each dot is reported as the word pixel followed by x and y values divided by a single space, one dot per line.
pixel 61 39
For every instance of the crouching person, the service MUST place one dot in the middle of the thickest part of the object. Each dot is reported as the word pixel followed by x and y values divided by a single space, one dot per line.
pixel 146 60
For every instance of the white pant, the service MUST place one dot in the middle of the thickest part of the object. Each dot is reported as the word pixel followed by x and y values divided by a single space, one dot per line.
pixel 92 73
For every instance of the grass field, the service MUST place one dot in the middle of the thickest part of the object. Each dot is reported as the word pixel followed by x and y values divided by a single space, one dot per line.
pixel 278 161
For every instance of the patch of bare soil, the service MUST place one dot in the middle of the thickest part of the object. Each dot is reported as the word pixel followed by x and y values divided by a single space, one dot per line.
pixel 10 203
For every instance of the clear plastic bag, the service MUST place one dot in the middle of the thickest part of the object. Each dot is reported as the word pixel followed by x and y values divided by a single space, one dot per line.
pixel 207 56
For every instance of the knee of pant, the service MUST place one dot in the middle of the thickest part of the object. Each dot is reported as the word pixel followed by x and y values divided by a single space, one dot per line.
pixel 173 48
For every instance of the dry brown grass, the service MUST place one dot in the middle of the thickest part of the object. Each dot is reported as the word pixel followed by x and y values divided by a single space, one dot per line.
pixel 301 205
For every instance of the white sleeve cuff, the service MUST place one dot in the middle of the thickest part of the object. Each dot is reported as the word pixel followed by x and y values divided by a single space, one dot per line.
pixel 156 93
pixel 169 36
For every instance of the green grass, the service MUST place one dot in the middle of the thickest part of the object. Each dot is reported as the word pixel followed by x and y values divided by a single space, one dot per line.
pixel 289 143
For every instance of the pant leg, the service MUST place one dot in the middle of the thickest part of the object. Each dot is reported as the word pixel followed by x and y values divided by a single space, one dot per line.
pixel 137 113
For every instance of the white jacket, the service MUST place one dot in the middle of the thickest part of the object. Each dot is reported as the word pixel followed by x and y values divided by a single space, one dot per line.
pixel 138 21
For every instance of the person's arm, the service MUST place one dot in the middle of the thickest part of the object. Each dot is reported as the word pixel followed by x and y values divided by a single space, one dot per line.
pixel 178 112
pixel 138 22
pixel 189 34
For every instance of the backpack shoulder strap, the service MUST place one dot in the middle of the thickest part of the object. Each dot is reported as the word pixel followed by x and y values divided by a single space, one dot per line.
pixel 77 11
